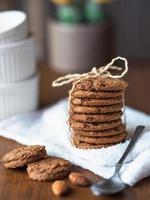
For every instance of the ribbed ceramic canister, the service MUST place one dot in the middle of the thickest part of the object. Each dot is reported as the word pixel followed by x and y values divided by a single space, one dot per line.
pixel 13 26
pixel 17 61
pixel 19 98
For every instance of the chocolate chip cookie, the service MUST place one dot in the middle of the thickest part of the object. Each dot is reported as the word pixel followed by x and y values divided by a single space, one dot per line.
pixel 103 133
pixel 95 110
pixel 94 126
pixel 84 145
pixel 96 95
pixel 24 155
pixel 49 169
pixel 96 117
pixel 101 140
pixel 101 84
pixel 96 102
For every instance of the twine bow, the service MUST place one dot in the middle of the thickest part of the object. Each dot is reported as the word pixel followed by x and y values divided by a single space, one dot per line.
pixel 102 72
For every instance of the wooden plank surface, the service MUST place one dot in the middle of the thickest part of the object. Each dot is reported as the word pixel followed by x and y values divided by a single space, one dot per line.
pixel 15 184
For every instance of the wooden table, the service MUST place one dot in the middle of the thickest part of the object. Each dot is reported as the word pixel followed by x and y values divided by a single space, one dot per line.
pixel 15 184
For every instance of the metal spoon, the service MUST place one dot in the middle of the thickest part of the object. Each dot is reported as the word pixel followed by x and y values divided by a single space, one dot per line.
pixel 114 184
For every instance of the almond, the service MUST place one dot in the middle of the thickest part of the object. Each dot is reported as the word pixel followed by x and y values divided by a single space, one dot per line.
pixel 60 188
pixel 77 178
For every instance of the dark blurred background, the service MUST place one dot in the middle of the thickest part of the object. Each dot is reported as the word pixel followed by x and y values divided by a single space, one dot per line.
pixel 128 36
pixel 130 20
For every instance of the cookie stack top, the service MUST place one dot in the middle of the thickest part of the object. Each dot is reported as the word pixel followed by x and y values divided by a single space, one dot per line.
pixel 95 112
pixel 101 84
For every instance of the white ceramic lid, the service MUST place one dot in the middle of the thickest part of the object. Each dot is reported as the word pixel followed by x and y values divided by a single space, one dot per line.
pixel 10 20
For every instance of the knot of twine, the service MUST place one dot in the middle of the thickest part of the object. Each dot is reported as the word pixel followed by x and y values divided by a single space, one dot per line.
pixel 102 72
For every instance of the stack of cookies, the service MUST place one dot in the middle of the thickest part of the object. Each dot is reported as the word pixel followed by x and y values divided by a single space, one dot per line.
pixel 95 115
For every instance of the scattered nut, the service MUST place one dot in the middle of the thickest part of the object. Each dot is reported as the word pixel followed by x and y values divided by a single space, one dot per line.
pixel 77 178
pixel 60 188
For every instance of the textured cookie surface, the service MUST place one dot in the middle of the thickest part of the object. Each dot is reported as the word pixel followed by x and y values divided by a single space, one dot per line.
pixel 101 140
pixel 97 95
pixel 89 126
pixel 97 102
pixel 103 133
pixel 22 156
pixel 96 117
pixel 98 84
pixel 96 109
pixel 84 145
pixel 49 169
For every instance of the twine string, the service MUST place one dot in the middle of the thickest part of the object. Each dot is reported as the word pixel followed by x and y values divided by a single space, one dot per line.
pixel 95 72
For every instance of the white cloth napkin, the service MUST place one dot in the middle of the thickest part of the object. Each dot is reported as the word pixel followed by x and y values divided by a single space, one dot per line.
pixel 48 127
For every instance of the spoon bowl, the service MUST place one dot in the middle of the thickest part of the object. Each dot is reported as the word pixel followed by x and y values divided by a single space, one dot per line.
pixel 108 186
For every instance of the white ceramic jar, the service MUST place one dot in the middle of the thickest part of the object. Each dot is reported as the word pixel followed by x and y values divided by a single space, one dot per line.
pixel 19 97
pixel 17 61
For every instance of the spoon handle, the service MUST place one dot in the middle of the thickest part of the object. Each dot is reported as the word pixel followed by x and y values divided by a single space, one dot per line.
pixel 131 144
